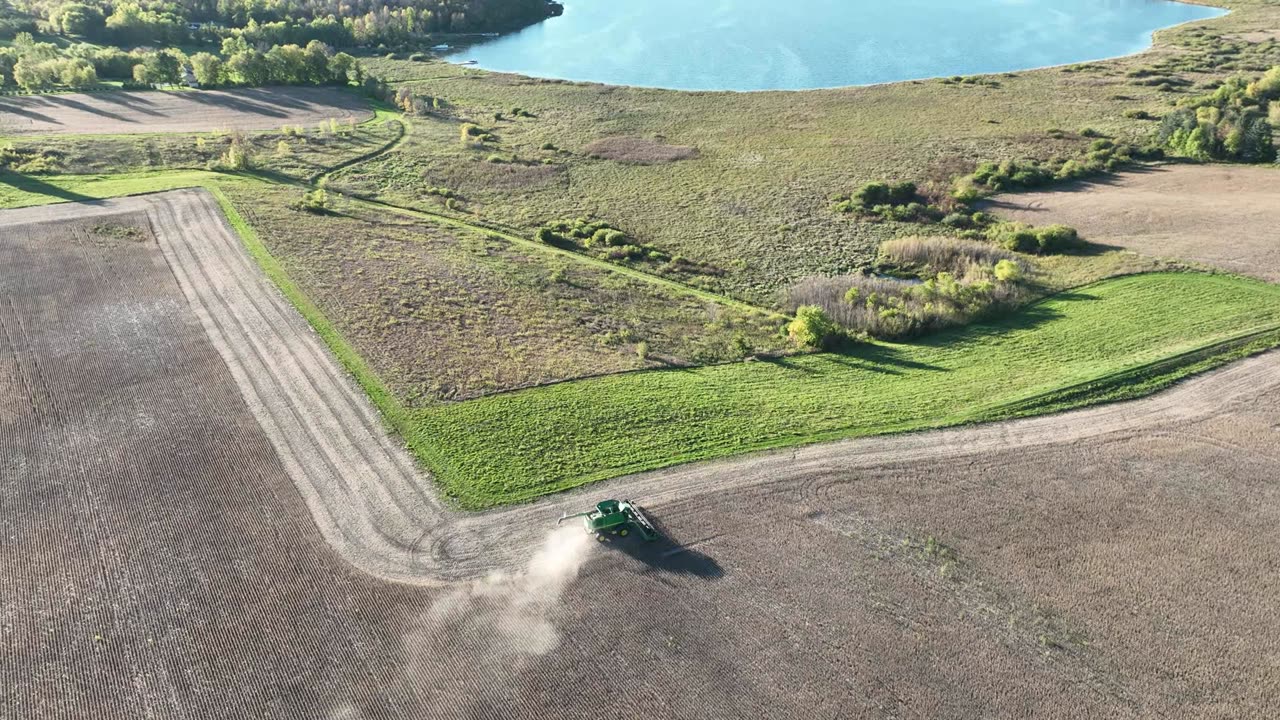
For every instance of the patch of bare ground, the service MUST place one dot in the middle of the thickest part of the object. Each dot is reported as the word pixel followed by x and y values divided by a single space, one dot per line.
pixel 108 113
pixel 1117 562
pixel 1219 215
pixel 639 151
pixel 1256 36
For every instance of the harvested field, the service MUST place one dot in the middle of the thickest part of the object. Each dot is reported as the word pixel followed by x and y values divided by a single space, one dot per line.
pixel 1114 562
pixel 1220 215
pixel 168 112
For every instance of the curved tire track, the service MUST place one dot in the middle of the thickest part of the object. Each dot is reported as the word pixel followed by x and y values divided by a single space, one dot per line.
pixel 380 513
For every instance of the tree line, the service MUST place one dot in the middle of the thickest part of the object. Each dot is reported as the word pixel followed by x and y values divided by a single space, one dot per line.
pixel 1236 122
pixel 35 65
pixel 344 23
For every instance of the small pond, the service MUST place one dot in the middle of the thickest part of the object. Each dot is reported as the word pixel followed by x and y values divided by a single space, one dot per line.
pixel 803 44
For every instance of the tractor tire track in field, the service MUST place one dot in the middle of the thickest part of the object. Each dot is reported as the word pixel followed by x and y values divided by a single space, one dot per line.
pixel 380 512
pixel 200 509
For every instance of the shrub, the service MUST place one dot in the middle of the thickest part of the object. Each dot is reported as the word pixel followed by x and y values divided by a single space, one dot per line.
pixel 1055 239
pixel 1138 115
pixel 812 328
pixel 606 237
pixel 1015 236
pixel 966 191
pixel 1008 271
pixel 1021 237
pixel 237 156
pixel 1267 87
pixel 316 201
pixel 879 193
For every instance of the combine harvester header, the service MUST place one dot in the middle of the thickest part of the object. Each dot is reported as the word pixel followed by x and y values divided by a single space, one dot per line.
pixel 615 517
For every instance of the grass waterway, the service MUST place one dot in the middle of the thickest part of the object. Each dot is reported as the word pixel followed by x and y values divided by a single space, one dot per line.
pixel 1112 340
pixel 766 45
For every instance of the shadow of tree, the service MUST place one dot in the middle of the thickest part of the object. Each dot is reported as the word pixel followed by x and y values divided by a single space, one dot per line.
pixel 36 186
pixel 20 110
pixel 87 108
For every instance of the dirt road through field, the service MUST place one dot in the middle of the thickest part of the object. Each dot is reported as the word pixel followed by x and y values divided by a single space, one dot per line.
pixel 116 112
pixel 202 515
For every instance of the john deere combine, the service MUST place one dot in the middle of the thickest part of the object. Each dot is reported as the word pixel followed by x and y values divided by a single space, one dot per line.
pixel 615 517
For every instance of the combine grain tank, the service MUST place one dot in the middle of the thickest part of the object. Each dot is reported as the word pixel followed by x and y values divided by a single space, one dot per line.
pixel 615 517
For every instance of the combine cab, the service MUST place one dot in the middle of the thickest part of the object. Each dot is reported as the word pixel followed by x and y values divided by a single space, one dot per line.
pixel 615 517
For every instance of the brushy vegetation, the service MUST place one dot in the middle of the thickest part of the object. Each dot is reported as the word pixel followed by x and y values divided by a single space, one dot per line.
pixel 1024 238
pixel 607 242
pixel 29 161
pixel 1104 155
pixel 903 203
pixel 1233 123
pixel 515 447
pixel 897 201
pixel 962 281
pixel 941 254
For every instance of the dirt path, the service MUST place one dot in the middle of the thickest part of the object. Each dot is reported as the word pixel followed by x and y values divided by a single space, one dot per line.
pixel 1219 215
pixel 186 482
pixel 108 113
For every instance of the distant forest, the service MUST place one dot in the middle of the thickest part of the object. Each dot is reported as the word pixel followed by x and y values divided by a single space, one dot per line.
pixel 339 23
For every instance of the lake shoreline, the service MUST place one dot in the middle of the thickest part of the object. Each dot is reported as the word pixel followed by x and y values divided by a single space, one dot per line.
pixel 463 59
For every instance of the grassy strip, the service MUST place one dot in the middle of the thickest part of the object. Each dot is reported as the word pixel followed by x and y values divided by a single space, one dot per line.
pixel 392 411
pixel 1116 339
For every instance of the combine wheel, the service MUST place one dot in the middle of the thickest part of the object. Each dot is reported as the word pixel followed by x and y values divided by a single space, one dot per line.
pixel 624 532
pixel 601 537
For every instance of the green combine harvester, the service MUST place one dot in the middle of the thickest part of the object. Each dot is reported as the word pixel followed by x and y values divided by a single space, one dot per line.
pixel 615 517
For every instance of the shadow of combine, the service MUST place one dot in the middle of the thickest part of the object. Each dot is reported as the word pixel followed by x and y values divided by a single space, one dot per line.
pixel 666 557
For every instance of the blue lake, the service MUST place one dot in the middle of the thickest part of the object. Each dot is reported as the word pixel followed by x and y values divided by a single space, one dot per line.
pixel 801 44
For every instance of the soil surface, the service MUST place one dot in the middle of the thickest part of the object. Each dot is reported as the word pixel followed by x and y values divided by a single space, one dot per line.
pixel 183 549
pixel 107 113
pixel 1221 215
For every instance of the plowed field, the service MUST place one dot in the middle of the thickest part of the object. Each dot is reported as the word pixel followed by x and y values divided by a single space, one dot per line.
pixel 1221 215
pixel 166 112
pixel 191 495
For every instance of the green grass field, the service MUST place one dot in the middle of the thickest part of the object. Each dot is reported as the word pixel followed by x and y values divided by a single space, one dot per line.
pixel 1115 338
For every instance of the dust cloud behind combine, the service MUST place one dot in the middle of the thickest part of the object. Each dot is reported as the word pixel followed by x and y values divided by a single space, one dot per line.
pixel 516 608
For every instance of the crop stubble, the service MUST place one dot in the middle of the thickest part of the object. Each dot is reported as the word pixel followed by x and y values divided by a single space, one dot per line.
pixel 1101 562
